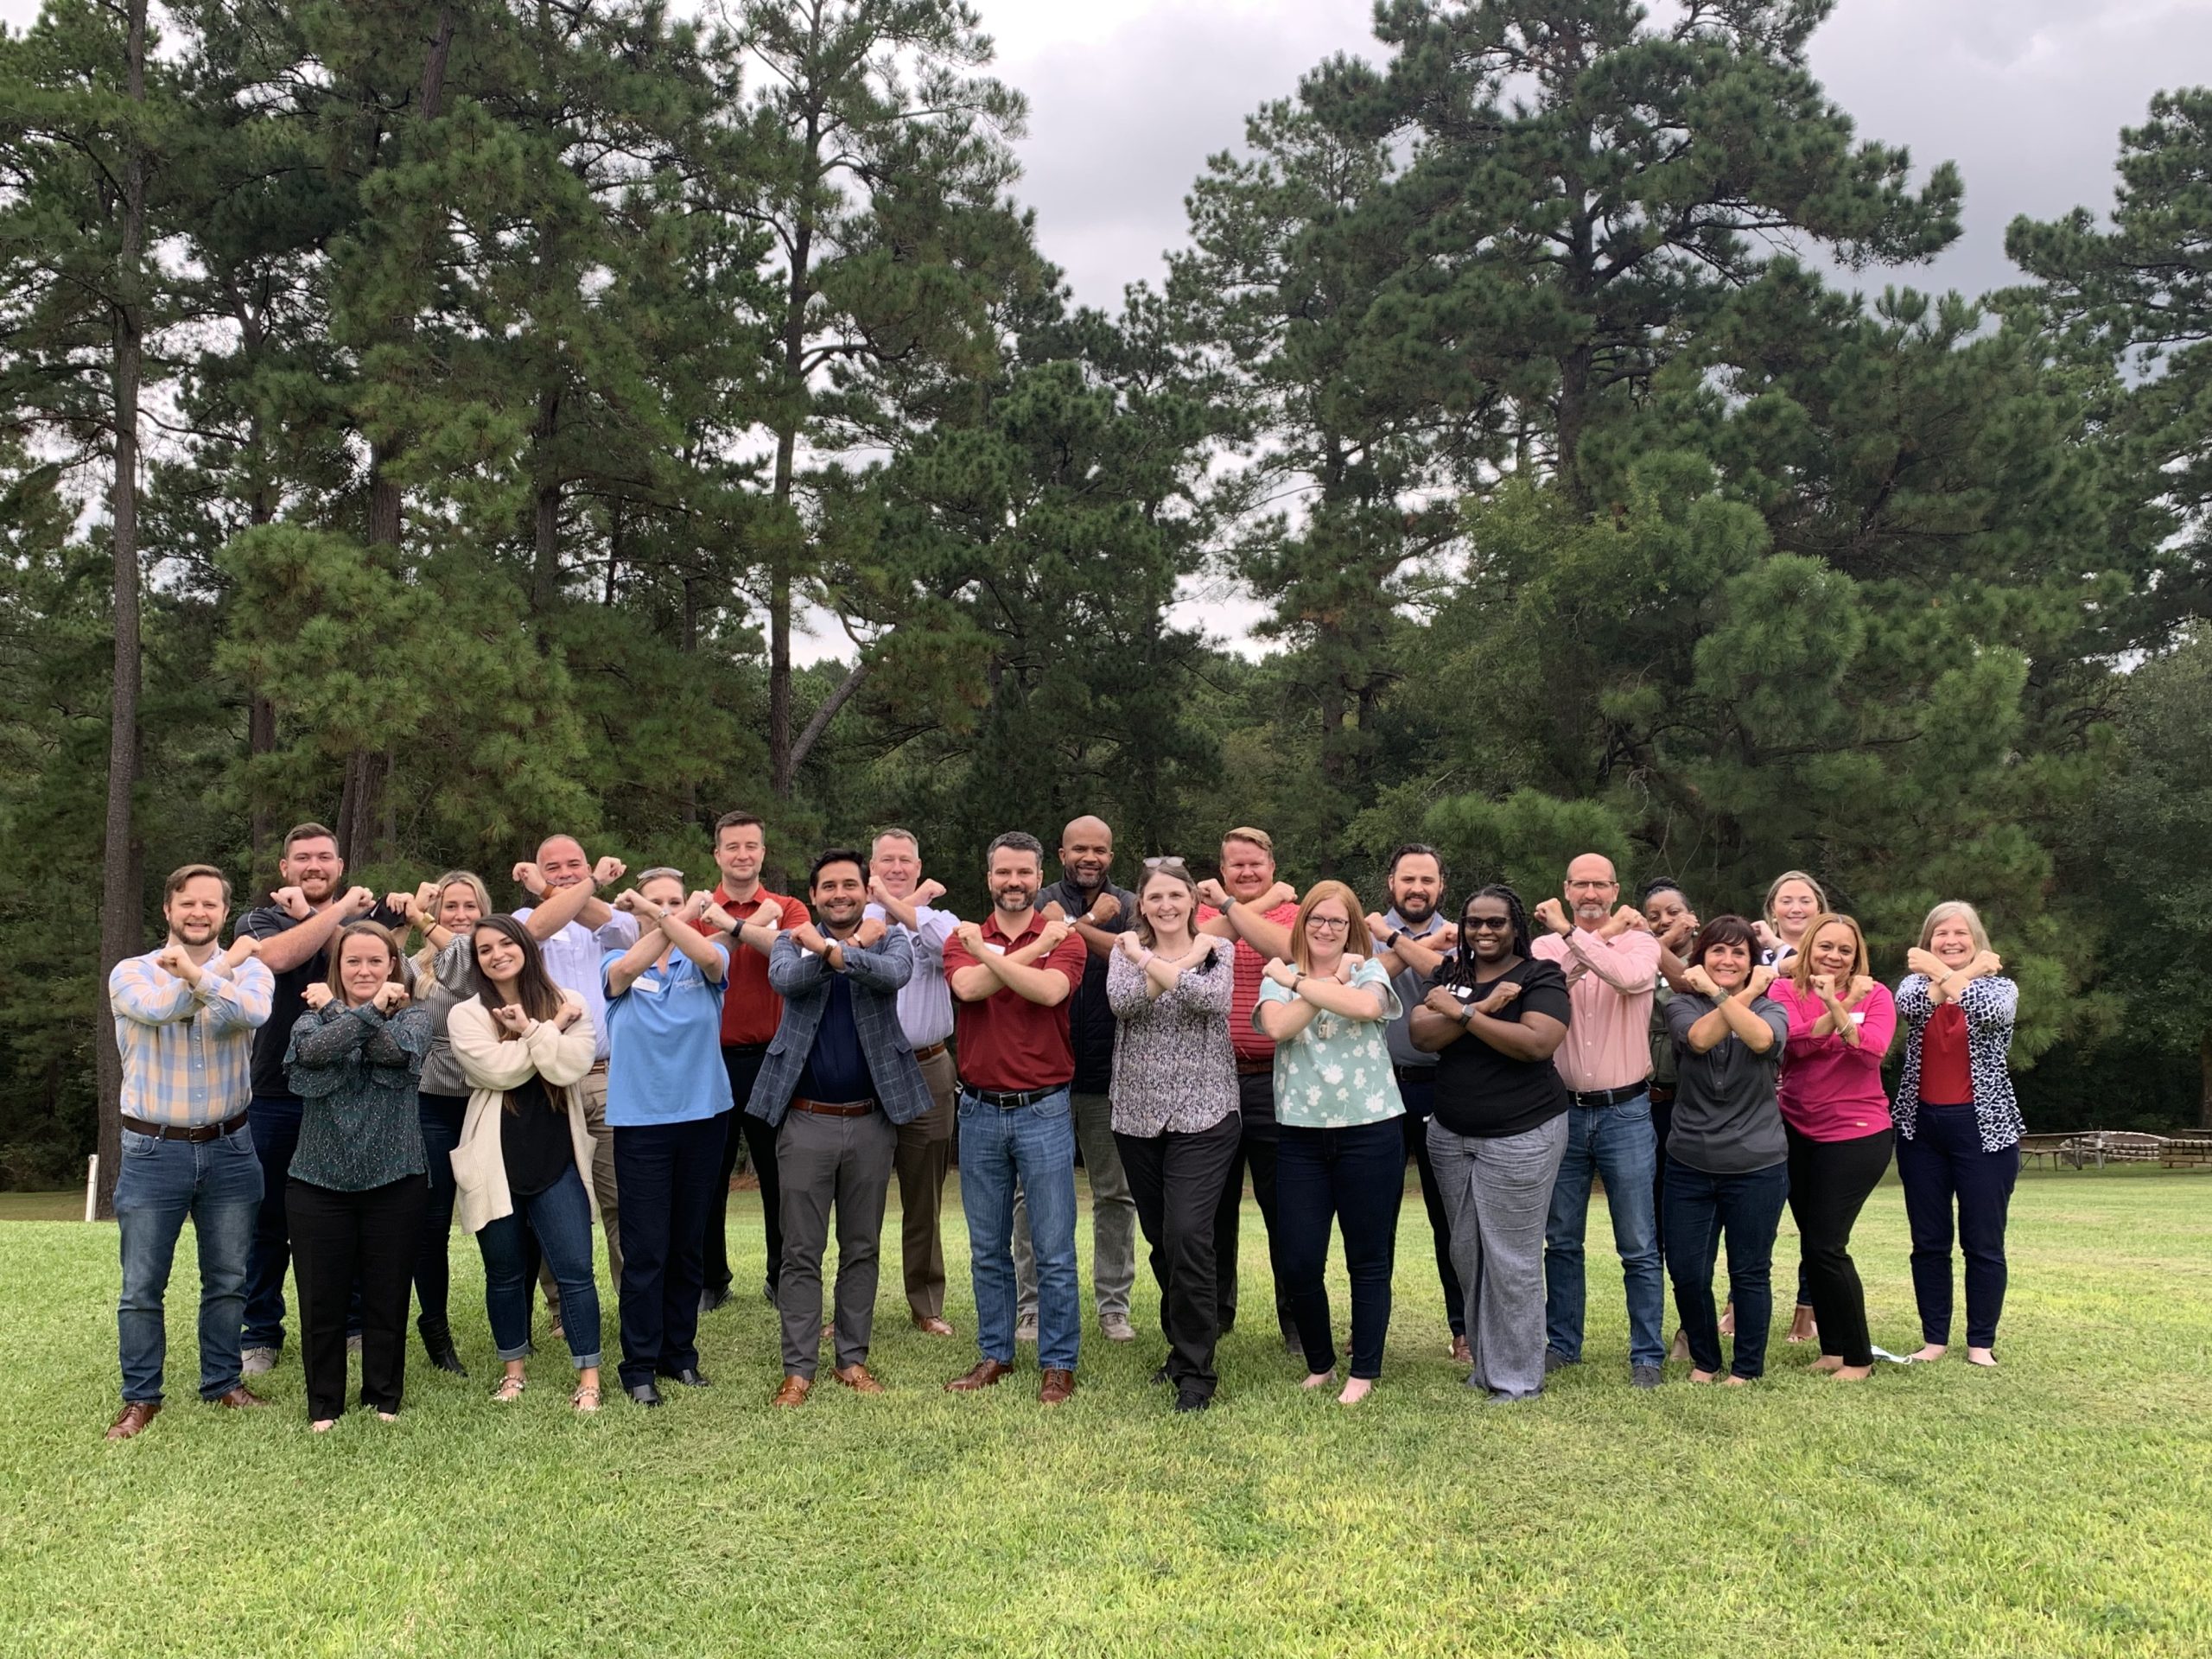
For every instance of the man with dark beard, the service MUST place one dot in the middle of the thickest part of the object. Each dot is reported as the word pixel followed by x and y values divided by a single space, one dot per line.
pixel 1411 943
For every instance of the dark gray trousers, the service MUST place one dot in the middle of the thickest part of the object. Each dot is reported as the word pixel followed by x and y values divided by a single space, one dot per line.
pixel 821 1161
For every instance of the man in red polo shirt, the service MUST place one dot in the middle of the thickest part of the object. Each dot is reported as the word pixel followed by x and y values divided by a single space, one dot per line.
pixel 751 916
pixel 1248 905
pixel 1012 979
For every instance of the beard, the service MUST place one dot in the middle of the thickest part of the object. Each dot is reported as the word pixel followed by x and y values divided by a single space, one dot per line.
pixel 1415 908
pixel 196 934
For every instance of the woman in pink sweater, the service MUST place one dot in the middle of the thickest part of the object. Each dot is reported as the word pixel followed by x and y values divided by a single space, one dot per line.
pixel 1838 1119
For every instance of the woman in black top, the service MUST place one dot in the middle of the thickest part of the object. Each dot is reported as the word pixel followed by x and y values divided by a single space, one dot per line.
pixel 1499 1131
pixel 1727 1156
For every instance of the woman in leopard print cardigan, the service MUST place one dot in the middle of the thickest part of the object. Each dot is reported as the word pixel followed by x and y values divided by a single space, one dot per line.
pixel 1958 1124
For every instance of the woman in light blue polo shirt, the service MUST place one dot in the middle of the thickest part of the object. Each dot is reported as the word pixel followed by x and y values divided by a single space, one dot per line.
pixel 668 1105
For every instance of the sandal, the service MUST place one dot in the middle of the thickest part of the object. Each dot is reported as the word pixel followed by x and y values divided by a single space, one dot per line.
pixel 510 1389
pixel 585 1400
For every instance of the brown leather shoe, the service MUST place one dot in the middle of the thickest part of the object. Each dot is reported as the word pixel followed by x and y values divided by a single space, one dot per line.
pixel 1461 1353
pixel 982 1376
pixel 930 1325
pixel 858 1379
pixel 794 1391
pixel 1058 1386
pixel 133 1418
pixel 238 1399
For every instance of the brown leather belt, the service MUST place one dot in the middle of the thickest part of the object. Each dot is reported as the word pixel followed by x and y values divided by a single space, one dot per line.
pixel 197 1133
pixel 832 1107
pixel 1249 1067
pixel 931 1052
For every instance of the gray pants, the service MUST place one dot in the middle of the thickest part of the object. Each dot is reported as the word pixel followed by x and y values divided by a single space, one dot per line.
pixel 1112 1218
pixel 821 1161
pixel 1497 1193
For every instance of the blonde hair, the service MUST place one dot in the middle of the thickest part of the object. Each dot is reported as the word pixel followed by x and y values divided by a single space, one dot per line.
pixel 1801 965
pixel 1962 911
pixel 1358 941
pixel 1819 893
pixel 1259 838
pixel 426 958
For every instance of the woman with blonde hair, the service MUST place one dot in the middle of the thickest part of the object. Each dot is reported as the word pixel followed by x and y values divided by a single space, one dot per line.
pixel 1837 1118
pixel 1341 1155
pixel 1959 1126
pixel 443 912
pixel 1793 899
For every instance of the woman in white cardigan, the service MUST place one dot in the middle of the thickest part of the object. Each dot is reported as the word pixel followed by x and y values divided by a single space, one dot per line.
pixel 524 1156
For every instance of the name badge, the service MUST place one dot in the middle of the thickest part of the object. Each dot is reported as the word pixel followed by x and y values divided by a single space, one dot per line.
pixel 995 949
pixel 1858 1016
pixel 650 986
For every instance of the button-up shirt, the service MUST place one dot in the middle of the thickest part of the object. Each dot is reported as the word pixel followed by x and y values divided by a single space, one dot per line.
pixel 187 1048
pixel 572 959
pixel 1608 1043
pixel 1411 985
pixel 925 1001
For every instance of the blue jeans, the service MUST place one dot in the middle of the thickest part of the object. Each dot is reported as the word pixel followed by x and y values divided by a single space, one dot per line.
pixel 560 1217
pixel 273 1122
pixel 1615 1143
pixel 1032 1145
pixel 1747 1208
pixel 218 1184
pixel 1354 1176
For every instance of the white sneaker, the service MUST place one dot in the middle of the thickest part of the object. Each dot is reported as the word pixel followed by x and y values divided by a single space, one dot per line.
pixel 1117 1327
pixel 257 1362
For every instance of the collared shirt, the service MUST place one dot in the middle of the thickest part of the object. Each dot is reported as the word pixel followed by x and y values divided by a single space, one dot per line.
pixel 1247 1039
pixel 1090 1019
pixel 1608 1043
pixel 187 1048
pixel 925 1001
pixel 1008 1043
pixel 275 1037
pixel 751 1010
pixel 572 959
pixel 1411 985
pixel 666 1064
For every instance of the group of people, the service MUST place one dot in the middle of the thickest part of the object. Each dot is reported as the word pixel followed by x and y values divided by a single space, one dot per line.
pixel 318 1094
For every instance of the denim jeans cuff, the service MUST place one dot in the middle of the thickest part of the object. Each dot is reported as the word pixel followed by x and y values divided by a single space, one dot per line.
pixel 522 1352
pixel 586 1362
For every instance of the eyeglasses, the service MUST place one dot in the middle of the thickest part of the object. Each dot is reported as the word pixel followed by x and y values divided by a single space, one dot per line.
pixel 1487 924
pixel 1165 861
pixel 1332 923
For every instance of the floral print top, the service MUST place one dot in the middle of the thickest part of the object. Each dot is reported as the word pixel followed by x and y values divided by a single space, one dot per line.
pixel 1337 1072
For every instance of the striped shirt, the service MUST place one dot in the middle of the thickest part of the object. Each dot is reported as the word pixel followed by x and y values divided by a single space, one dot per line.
pixel 187 1048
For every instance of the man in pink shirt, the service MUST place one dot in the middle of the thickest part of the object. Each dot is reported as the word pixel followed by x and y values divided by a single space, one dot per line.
pixel 1612 964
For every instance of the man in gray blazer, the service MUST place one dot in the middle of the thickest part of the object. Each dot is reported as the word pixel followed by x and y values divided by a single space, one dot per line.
pixel 838 1080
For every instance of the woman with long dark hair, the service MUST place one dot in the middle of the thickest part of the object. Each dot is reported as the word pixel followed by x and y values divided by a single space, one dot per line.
pixel 354 1201
pixel 525 1152
pixel 1493 1021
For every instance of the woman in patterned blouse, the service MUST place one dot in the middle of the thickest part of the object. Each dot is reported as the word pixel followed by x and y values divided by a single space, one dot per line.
pixel 1340 1153
pixel 1958 1125
pixel 1175 1118
pixel 358 1185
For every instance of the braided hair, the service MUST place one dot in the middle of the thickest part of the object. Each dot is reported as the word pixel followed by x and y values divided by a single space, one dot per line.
pixel 1461 971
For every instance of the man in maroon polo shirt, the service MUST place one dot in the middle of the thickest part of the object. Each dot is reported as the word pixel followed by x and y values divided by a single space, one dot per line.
pixel 1011 979
pixel 751 916
pixel 1248 905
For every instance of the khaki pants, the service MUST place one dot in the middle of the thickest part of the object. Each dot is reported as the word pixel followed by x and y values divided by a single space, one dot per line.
pixel 925 1155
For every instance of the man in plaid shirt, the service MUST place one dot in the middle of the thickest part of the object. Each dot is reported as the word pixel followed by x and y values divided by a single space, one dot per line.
pixel 185 1017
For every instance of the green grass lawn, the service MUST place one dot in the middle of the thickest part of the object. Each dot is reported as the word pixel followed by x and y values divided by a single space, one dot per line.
pixel 2061 1505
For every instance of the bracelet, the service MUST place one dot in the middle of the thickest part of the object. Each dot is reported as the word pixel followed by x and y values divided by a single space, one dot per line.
pixel 1391 943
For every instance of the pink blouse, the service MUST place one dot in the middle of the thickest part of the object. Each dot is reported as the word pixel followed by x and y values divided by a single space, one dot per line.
pixel 1831 1090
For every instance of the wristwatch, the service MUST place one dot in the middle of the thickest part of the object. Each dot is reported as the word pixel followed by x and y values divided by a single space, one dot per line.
pixel 1391 943
pixel 1466 1015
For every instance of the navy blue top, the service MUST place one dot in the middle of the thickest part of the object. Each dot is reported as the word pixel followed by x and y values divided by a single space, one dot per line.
pixel 836 1069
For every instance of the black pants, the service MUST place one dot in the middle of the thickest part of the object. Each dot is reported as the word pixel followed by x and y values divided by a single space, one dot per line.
pixel 1176 1181
pixel 1419 1093
pixel 1829 1182
pixel 666 1175
pixel 1663 1125
pixel 758 1142
pixel 336 1238
pixel 1944 1161
pixel 1355 1178
pixel 441 1117
pixel 1255 1150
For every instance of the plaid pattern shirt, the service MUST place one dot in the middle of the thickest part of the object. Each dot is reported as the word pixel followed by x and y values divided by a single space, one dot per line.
pixel 186 1048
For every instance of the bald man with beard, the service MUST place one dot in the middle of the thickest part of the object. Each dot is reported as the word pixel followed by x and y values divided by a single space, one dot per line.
pixel 1086 898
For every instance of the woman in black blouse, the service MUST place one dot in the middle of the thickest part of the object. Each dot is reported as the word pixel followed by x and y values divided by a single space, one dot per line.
pixel 1499 1131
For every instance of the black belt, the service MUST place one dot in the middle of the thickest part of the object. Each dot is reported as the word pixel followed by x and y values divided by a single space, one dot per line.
pixel 1006 1101
pixel 1613 1096
pixel 1414 1073
pixel 198 1133
pixel 745 1048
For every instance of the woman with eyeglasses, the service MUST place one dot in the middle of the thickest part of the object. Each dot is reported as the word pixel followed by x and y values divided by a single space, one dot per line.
pixel 1175 1118
pixel 1494 1021
pixel 1341 1156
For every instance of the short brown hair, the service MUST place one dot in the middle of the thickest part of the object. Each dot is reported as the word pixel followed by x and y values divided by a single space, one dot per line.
pixel 738 821
pixel 1259 838
pixel 309 831
pixel 338 952
pixel 185 873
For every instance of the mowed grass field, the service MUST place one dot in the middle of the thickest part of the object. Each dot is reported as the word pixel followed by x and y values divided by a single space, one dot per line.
pixel 2061 1505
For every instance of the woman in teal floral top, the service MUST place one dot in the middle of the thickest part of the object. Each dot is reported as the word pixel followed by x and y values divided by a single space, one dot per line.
pixel 359 1180
pixel 1340 1153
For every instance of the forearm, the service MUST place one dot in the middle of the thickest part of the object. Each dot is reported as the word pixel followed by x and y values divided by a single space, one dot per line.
pixel 1096 940
pixel 1433 1032
pixel 1628 969
pixel 695 944
pixel 282 953
pixel 148 1003
pixel 1270 939
pixel 1416 954
pixel 1757 1034
pixel 1512 1039
pixel 623 972
pixel 1046 986
pixel 557 906
pixel 1284 1020
pixel 1352 1002
pixel 1708 1031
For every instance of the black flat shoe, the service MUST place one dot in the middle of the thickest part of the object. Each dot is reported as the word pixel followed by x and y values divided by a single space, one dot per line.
pixel 1194 1402
pixel 690 1376
pixel 1160 1375
pixel 438 1343
pixel 711 1300
pixel 645 1395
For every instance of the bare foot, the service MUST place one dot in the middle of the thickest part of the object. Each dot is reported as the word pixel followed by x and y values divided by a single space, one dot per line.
pixel 1852 1373
pixel 1981 1356
pixel 1732 1381
pixel 1932 1350
pixel 1679 1349
pixel 1318 1380
pixel 1801 1325
pixel 1356 1389
pixel 323 1425
pixel 1728 1320
pixel 387 1416
pixel 1828 1363
pixel 1704 1376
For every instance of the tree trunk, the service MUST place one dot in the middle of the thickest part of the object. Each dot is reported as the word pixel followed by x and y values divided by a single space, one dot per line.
pixel 260 739
pixel 122 920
